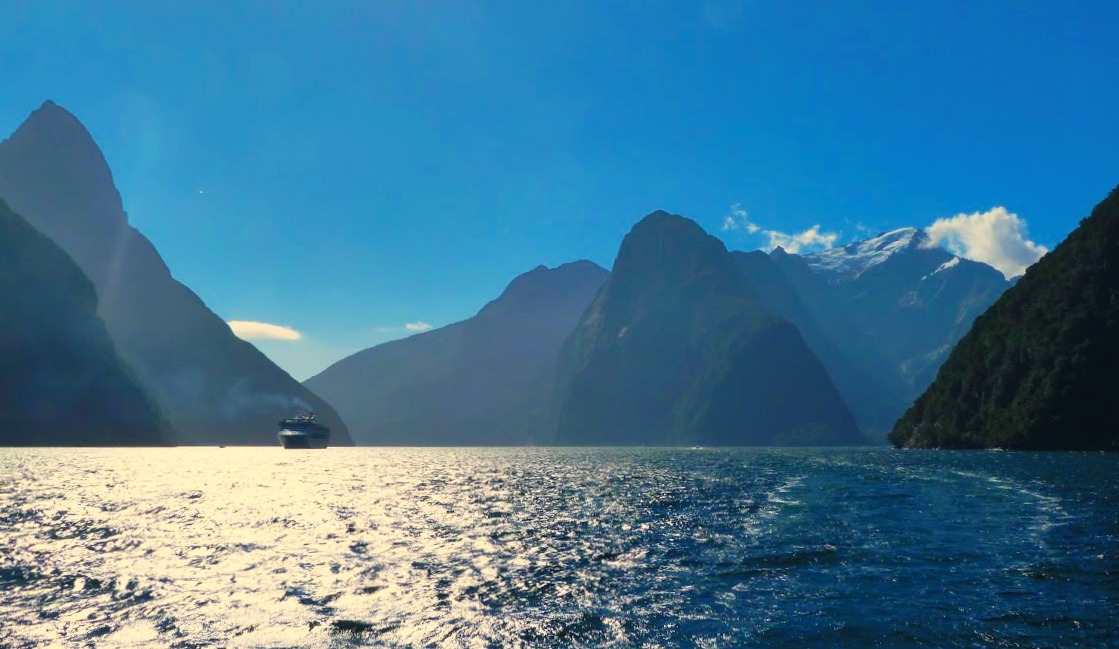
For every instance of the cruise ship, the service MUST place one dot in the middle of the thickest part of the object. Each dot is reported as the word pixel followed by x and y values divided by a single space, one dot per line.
pixel 302 431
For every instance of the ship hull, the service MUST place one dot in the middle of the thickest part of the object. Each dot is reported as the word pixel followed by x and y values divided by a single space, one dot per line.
pixel 298 440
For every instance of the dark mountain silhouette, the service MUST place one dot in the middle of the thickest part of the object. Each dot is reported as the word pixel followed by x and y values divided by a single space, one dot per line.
pixel 484 381
pixel 676 349
pixel 1038 370
pixel 888 310
pixel 63 383
pixel 213 387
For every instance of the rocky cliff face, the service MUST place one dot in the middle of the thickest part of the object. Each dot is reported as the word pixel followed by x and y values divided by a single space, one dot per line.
pixel 676 349
pixel 63 383
pixel 488 380
pixel 1038 369
pixel 213 387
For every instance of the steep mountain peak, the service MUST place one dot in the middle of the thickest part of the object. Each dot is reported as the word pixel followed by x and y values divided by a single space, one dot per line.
pixel 50 150
pixel 662 238
pixel 212 386
pixel 661 221
pixel 50 107
pixel 662 248
pixel 676 349
pixel 849 261
pixel 53 124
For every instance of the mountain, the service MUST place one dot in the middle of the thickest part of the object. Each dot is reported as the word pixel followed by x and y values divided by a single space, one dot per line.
pixel 487 380
pixel 1038 370
pixel 63 383
pixel 213 387
pixel 893 305
pixel 867 388
pixel 914 300
pixel 677 350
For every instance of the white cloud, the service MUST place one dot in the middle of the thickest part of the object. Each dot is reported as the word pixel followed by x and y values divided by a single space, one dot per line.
pixel 739 219
pixel 249 330
pixel 995 237
pixel 810 240
pixel 418 326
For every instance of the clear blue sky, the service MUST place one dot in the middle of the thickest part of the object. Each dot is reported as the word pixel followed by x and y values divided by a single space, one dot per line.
pixel 346 168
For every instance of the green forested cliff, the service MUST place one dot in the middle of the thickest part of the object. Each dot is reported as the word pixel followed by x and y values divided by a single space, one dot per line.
pixel 1040 368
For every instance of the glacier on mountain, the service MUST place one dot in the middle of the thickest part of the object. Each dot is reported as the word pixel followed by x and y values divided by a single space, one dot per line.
pixel 844 263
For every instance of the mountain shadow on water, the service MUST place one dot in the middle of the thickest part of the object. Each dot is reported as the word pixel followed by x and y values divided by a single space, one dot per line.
pixel 488 380
pixel 63 383
pixel 1039 369
pixel 676 349
pixel 212 387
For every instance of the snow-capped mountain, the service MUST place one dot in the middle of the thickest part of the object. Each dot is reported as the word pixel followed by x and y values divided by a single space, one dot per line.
pixel 890 307
pixel 845 263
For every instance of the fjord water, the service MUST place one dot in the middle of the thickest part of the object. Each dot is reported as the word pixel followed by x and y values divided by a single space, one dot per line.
pixel 259 547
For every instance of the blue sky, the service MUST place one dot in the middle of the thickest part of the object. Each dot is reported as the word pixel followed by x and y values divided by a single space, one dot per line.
pixel 347 168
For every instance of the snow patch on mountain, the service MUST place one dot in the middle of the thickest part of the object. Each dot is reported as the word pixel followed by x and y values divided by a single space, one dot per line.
pixel 854 259
pixel 945 266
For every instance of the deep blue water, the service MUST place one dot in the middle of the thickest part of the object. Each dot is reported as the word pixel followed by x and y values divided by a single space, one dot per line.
pixel 558 547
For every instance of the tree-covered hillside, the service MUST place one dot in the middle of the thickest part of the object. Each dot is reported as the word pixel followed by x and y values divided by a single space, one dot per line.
pixel 1040 368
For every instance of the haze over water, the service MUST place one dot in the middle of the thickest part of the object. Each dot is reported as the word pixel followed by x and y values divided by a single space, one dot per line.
pixel 258 547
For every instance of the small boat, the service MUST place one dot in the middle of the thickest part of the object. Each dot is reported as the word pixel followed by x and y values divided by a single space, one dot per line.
pixel 302 431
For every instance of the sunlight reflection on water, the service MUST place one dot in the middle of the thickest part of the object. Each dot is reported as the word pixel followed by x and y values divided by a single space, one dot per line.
pixel 564 547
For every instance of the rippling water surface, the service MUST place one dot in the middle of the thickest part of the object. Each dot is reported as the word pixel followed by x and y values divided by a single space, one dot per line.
pixel 557 547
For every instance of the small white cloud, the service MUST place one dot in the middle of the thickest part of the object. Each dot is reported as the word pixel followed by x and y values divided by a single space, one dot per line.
pixel 739 219
pixel 418 326
pixel 249 330
pixel 810 240
pixel 995 237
